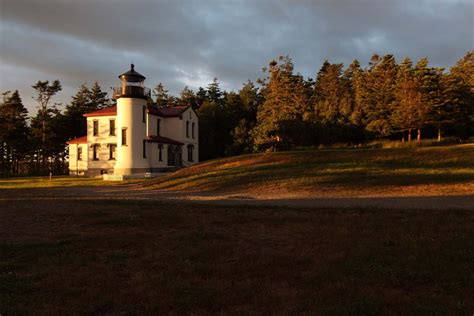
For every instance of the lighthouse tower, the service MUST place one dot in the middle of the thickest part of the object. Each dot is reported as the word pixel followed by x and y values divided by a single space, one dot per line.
pixel 131 123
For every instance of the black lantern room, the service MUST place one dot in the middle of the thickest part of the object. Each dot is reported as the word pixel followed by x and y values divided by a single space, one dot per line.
pixel 131 85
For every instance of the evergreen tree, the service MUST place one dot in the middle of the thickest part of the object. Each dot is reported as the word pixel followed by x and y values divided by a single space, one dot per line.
pixel 426 97
pixel 97 98
pixel 13 133
pixel 286 100
pixel 354 76
pixel 162 96
pixel 188 98
pixel 404 116
pixel 380 94
pixel 458 97
pixel 80 104
pixel 332 94
pixel 45 92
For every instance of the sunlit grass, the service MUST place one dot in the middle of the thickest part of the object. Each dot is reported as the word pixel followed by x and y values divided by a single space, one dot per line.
pixel 314 170
pixel 44 182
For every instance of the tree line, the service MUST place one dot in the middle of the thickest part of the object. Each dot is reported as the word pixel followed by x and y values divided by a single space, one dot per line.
pixel 281 110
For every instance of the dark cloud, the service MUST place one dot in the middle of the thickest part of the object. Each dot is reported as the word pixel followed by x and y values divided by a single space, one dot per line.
pixel 189 42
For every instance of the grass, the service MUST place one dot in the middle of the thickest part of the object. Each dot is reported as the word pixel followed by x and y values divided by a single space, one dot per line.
pixel 59 181
pixel 133 258
pixel 413 171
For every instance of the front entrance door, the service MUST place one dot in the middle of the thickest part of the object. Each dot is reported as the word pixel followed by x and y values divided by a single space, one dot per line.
pixel 174 155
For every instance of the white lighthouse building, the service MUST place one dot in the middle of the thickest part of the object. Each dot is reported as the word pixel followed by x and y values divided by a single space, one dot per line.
pixel 133 138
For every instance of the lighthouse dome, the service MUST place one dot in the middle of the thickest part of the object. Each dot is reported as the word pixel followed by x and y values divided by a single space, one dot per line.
pixel 132 75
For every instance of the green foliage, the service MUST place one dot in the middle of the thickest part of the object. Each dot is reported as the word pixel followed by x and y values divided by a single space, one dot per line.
pixel 286 98
pixel 85 101
pixel 282 110
pixel 14 133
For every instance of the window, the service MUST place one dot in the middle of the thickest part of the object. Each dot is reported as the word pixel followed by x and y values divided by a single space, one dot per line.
pixel 144 148
pixel 192 129
pixel 112 149
pixel 95 128
pixel 124 136
pixel 190 152
pixel 112 127
pixel 144 114
pixel 187 128
pixel 79 153
pixel 160 152
pixel 158 123
pixel 95 152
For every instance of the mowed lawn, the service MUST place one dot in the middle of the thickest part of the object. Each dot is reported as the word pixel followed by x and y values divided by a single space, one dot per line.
pixel 56 181
pixel 73 257
pixel 447 170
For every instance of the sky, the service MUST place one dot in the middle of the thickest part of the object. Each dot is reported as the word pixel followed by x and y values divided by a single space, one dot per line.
pixel 188 43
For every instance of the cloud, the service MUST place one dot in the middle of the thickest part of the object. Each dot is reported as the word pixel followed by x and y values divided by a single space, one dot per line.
pixel 183 43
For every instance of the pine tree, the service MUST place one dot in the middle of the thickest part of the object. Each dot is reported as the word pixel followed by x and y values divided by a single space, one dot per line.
pixel 80 104
pixel 404 116
pixel 332 95
pixel 97 98
pixel 45 92
pixel 458 96
pixel 188 98
pixel 354 76
pixel 380 94
pixel 425 100
pixel 162 96
pixel 286 100
pixel 13 133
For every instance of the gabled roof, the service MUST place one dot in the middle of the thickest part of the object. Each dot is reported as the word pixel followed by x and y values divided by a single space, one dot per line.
pixel 79 140
pixel 163 140
pixel 110 111
pixel 175 111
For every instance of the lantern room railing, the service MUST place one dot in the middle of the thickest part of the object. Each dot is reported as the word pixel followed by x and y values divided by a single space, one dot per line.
pixel 131 91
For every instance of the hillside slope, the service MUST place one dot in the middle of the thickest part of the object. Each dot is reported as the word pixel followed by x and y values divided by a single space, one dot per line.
pixel 339 172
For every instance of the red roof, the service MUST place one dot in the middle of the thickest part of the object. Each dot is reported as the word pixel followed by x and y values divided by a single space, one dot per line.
pixel 110 111
pixel 163 140
pixel 175 111
pixel 79 140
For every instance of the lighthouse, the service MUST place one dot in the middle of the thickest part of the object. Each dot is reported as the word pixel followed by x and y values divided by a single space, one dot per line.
pixel 135 138
pixel 131 124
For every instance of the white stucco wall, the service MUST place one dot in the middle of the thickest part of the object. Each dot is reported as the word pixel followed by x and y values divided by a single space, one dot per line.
pixel 77 166
pixel 129 115
pixel 103 139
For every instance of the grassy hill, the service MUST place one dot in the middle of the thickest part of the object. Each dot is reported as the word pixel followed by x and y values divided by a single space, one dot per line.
pixel 407 171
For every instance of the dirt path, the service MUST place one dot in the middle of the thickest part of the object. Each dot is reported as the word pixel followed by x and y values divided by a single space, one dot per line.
pixel 132 192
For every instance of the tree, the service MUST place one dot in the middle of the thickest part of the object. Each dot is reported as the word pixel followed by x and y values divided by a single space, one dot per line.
pixel 332 96
pixel 97 98
pixel 85 101
pixel 45 92
pixel 354 77
pixel 404 116
pixel 162 96
pixel 13 133
pixel 286 99
pixel 188 98
pixel 380 94
pixel 457 106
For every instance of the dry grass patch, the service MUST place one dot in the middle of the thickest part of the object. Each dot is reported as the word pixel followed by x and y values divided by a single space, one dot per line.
pixel 442 170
